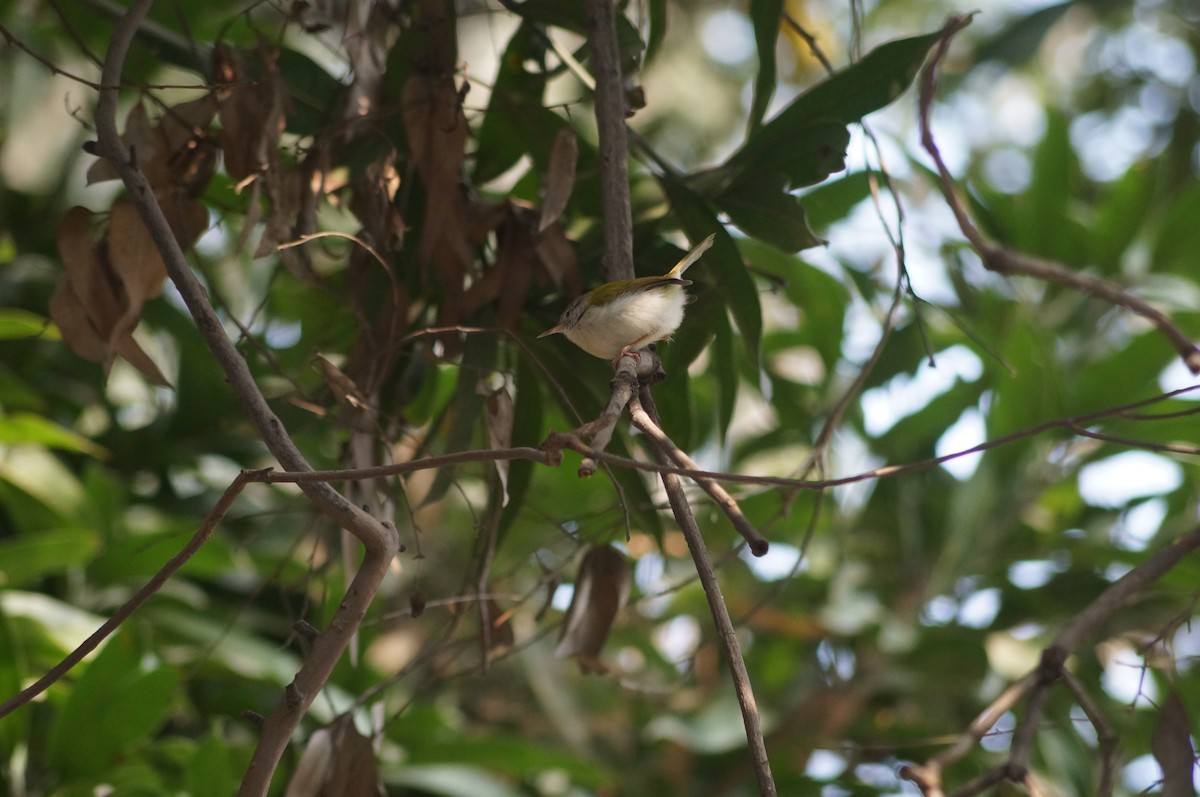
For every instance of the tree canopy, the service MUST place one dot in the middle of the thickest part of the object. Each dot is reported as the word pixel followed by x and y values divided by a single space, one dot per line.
pixel 910 507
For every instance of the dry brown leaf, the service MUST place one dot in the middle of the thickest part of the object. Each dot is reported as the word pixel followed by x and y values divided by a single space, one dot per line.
pixel 95 286
pixel 186 217
pixel 75 326
pixel 557 258
pixel 437 133
pixel 514 267
pixel 174 152
pixel 98 301
pixel 338 761
pixel 499 424
pixel 417 602
pixel 283 192
pixel 559 179
pixel 128 349
pixel 138 135
pixel 360 416
pixel 133 255
pixel 601 589
pixel 252 115
pixel 369 33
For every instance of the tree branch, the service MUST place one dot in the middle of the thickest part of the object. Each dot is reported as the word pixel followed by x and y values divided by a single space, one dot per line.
pixel 669 451
pixel 1039 683
pixel 726 634
pixel 1005 261
pixel 614 145
pixel 379 540
pixel 211 520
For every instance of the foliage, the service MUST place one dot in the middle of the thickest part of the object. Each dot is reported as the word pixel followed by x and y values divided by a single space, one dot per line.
pixel 387 206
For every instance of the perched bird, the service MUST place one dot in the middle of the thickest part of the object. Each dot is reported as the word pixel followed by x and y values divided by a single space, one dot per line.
pixel 627 315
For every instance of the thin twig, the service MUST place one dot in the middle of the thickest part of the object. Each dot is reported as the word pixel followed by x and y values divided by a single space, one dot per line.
pixel 211 520
pixel 1106 739
pixel 550 453
pixel 1005 261
pixel 642 420
pixel 726 634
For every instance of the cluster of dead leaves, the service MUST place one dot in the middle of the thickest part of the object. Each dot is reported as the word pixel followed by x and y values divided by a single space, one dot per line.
pixel 532 247
pixel 112 270
pixel 98 300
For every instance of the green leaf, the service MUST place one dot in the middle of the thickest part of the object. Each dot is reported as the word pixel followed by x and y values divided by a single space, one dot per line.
pixel 1054 164
pixel 466 410
pixel 843 98
pixel 656 23
pixel 210 769
pixel 313 93
pixel 507 130
pixel 573 17
pixel 732 278
pixel 1019 41
pixel 673 398
pixel 25 559
pixel 820 297
pixel 1178 237
pixel 1120 217
pixel 120 699
pixel 528 420
pixel 725 371
pixel 765 14
pixel 769 213
pixel 18 324
pixel 451 780
pixel 25 428
pixel 832 200
pixel 40 474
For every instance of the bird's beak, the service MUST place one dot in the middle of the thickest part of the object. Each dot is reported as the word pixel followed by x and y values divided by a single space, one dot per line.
pixel 552 330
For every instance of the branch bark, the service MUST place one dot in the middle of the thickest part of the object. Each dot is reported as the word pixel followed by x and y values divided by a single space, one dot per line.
pixel 1005 261
pixel 379 539
pixel 1039 683
pixel 726 634
pixel 614 144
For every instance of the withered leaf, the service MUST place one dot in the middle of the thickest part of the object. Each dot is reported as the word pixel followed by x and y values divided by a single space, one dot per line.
pixel 559 179
pixel 601 589
pixel 557 258
pixel 436 129
pixel 499 423
pixel 175 152
pixel 338 761
pixel 133 255
pixel 252 115
pixel 98 301
pixel 361 416
pixel 75 325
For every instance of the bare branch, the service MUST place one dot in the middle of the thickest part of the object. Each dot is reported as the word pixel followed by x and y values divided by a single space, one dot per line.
pixel 720 613
pixel 666 446
pixel 614 144
pixel 379 540
pixel 1039 683
pixel 214 517
pixel 1008 262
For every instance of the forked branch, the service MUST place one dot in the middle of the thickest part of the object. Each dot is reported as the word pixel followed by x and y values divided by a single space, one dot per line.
pixel 379 540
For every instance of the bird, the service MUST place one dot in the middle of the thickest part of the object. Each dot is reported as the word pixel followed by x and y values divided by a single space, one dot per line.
pixel 627 315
